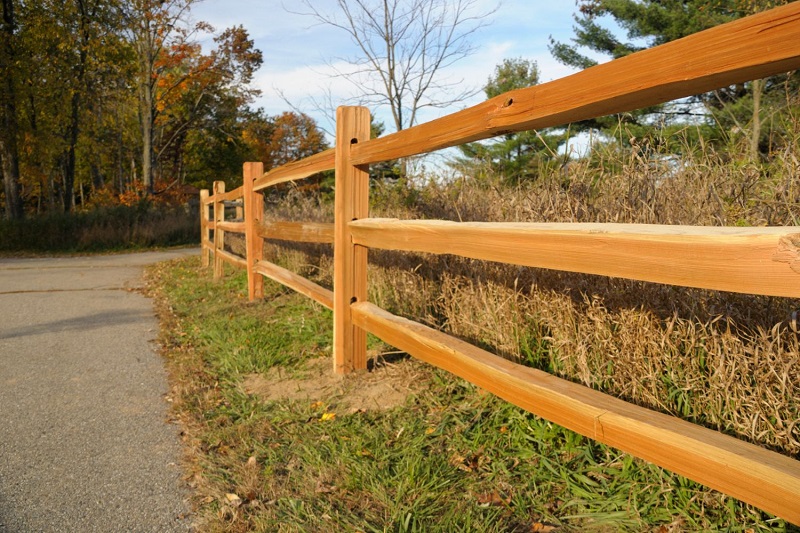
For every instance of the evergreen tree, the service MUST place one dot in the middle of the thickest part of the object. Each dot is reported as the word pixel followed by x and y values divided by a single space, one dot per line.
pixel 648 23
pixel 514 156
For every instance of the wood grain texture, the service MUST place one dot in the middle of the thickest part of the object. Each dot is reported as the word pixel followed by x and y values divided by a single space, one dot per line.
pixel 233 227
pixel 315 232
pixel 298 283
pixel 745 260
pixel 253 213
pixel 750 48
pixel 205 213
pixel 235 260
pixel 232 196
pixel 219 233
pixel 755 475
pixel 297 170
pixel 350 261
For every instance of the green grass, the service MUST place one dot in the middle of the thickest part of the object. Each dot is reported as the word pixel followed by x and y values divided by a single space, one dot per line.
pixel 450 459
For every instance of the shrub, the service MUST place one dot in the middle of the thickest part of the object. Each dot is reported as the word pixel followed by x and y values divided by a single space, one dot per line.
pixel 104 228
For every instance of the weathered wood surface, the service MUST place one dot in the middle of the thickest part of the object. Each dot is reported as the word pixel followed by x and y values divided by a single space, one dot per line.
pixel 298 283
pixel 755 475
pixel 750 48
pixel 349 260
pixel 253 213
pixel 235 260
pixel 297 170
pixel 315 232
pixel 747 260
pixel 233 227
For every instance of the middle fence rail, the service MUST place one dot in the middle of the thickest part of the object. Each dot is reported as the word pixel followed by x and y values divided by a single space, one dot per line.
pixel 762 261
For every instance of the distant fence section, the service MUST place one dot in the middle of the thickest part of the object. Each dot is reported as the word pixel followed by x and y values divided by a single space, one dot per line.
pixel 764 261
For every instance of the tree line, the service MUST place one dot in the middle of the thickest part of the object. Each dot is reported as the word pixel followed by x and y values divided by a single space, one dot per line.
pixel 115 100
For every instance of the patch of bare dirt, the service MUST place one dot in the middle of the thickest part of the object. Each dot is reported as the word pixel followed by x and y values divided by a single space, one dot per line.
pixel 385 386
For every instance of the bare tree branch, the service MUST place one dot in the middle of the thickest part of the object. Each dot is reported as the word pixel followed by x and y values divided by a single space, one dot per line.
pixel 404 48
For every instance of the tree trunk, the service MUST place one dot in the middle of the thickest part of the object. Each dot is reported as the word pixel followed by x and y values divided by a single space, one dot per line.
pixel 146 51
pixel 147 137
pixel 77 91
pixel 9 154
pixel 68 198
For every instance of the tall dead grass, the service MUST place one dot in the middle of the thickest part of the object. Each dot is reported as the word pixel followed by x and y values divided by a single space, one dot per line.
pixel 724 360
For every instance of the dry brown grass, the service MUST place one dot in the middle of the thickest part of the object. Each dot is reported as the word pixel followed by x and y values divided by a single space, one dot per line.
pixel 724 360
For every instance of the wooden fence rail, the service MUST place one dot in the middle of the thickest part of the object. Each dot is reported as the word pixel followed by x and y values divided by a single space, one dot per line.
pixel 762 261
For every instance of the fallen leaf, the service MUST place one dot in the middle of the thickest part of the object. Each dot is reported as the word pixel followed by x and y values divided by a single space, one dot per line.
pixel 538 527
pixel 495 498
pixel 456 460
pixel 233 499
pixel 324 488
pixel 327 416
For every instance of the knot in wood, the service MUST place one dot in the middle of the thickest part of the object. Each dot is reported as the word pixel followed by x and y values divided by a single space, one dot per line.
pixel 788 251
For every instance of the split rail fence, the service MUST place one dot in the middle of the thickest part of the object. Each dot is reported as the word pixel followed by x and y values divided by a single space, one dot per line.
pixel 764 261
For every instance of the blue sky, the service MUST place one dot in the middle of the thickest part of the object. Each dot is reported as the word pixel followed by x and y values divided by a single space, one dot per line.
pixel 296 50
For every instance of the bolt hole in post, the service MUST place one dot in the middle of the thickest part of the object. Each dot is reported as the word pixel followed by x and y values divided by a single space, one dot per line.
pixel 508 102
pixel 353 141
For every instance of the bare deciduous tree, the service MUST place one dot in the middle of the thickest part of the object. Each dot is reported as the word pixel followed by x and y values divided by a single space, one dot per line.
pixel 404 46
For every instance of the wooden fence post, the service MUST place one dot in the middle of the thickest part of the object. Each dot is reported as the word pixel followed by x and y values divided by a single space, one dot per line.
pixel 253 214
pixel 219 235
pixel 349 260
pixel 204 210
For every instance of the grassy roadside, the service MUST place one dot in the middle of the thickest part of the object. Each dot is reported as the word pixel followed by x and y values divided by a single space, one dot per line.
pixel 448 459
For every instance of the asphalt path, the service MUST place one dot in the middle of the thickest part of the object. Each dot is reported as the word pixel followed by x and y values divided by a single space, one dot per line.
pixel 85 442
